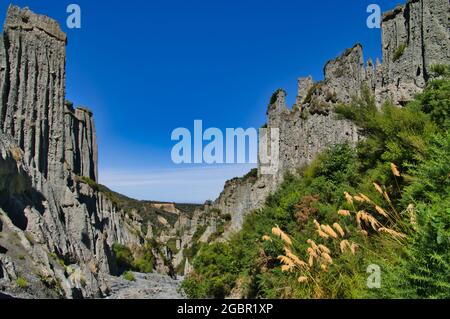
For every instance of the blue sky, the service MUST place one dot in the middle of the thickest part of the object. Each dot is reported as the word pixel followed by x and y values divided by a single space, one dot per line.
pixel 147 67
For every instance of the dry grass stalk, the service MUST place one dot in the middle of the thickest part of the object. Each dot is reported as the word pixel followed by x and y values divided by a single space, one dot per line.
pixel 378 188
pixel 316 223
pixel 381 211
pixel 302 279
pixel 391 232
pixel 388 199
pixel 329 231
pixel 363 232
pixel 349 198
pixel 344 245
pixel 394 170
pixel 266 238
pixel 366 198
pixel 368 219
pixel 279 233
pixel 288 264
pixel 294 258
pixel 287 268
pixel 312 252
pixel 353 248
pixel 343 212
pixel 311 261
pixel 324 249
pixel 313 244
pixel 359 199
pixel 339 229
pixel 326 257
pixel 322 234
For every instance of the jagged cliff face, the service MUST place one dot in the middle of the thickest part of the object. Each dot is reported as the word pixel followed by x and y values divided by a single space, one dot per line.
pixel 46 146
pixel 51 209
pixel 55 138
pixel 34 49
pixel 81 152
pixel 414 38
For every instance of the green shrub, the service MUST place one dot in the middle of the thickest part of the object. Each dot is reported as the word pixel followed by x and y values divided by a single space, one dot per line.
pixel 274 96
pixel 428 265
pixel 124 257
pixel 398 53
pixel 416 139
pixel 128 275
pixel 141 261
pixel 217 271
pixel 440 70
pixel 435 101
pixel 22 282
pixel 144 261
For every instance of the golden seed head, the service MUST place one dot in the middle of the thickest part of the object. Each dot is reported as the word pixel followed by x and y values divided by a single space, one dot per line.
pixel 381 211
pixel 324 249
pixel 302 279
pixel 323 234
pixel 311 261
pixel 353 248
pixel 327 258
pixel 329 231
pixel 391 232
pixel 394 170
pixel 378 188
pixel 349 198
pixel 279 233
pixel 365 198
pixel 344 245
pixel 344 212
pixel 339 229
pixel 363 232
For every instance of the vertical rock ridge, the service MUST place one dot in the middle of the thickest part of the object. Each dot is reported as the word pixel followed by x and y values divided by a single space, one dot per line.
pixel 57 144
pixel 414 38
pixel 34 87
pixel 81 151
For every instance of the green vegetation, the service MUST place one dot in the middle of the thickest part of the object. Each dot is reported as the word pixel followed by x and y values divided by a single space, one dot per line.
pixel 141 260
pixel 274 96
pixel 196 245
pixel 251 176
pixel 385 203
pixel 440 70
pixel 145 209
pixel 22 282
pixel 129 276
pixel 60 261
pixel 398 53
pixel 311 92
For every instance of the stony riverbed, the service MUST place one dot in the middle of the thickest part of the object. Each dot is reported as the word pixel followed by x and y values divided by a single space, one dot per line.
pixel 146 286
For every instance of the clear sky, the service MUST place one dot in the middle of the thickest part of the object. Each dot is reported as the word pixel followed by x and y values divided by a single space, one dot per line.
pixel 146 67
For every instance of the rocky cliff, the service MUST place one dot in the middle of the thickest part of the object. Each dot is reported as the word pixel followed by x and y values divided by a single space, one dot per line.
pixel 414 38
pixel 58 226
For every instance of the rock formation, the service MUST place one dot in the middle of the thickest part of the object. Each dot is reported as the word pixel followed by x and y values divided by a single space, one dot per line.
pixel 59 225
pixel 414 38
